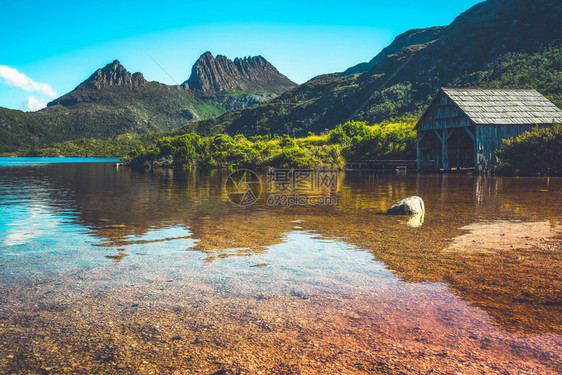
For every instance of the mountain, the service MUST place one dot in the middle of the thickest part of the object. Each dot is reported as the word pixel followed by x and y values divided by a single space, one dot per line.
pixel 102 84
pixel 409 38
pixel 496 43
pixel 219 75
pixel 115 101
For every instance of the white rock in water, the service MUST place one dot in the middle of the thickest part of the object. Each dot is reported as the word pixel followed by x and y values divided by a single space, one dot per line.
pixel 415 220
pixel 407 206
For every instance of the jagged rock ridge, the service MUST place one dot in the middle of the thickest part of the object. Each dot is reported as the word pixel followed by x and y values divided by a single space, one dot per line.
pixel 113 74
pixel 220 74
pixel 254 77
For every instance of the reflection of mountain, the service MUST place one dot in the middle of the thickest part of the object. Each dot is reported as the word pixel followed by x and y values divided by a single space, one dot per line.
pixel 120 205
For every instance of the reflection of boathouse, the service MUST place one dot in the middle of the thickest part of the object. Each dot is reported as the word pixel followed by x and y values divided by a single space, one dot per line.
pixel 462 128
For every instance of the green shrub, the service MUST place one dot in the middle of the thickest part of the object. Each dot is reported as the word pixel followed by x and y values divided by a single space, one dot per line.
pixel 384 141
pixel 352 140
pixel 536 152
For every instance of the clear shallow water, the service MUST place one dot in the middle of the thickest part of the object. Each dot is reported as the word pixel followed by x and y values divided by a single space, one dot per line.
pixel 29 161
pixel 159 267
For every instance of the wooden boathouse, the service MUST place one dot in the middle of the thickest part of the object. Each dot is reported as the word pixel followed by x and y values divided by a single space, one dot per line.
pixel 462 128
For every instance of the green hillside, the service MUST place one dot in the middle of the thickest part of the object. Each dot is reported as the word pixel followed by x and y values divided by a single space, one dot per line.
pixel 114 111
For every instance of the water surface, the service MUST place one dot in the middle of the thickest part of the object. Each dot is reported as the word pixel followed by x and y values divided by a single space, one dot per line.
pixel 30 161
pixel 109 270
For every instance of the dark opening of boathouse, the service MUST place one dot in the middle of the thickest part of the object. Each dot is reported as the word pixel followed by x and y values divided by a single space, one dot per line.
pixel 462 128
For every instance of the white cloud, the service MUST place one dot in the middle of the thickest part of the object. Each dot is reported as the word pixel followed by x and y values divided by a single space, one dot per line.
pixel 14 78
pixel 34 104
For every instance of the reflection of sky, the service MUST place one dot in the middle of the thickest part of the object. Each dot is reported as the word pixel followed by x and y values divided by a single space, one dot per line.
pixel 156 234
pixel 40 235
pixel 21 224
pixel 36 233
pixel 24 210
pixel 315 259
pixel 160 241
pixel 34 239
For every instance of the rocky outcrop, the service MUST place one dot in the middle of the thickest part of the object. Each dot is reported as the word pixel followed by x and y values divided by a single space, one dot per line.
pixel 249 74
pixel 408 206
pixel 113 74
pixel 110 76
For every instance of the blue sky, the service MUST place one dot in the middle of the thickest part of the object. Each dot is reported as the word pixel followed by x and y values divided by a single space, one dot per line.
pixel 48 48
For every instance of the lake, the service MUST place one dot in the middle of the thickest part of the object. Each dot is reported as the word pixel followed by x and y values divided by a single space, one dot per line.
pixel 110 270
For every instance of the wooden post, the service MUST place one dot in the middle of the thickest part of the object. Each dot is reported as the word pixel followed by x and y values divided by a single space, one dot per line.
pixel 445 148
pixel 419 149
pixel 440 137
pixel 475 156
pixel 458 147
pixel 445 151
pixel 476 167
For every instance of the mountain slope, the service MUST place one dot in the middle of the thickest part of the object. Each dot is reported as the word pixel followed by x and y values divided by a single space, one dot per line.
pixel 114 101
pixel 409 38
pixel 493 35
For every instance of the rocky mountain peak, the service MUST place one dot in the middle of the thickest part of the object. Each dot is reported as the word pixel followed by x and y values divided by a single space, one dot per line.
pixel 220 74
pixel 111 75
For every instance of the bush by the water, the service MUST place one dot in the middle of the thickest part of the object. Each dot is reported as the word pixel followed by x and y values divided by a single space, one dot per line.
pixel 349 141
pixel 536 152
pixel 390 140
pixel 223 150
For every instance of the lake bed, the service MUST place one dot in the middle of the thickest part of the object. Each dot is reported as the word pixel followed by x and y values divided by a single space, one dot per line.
pixel 110 270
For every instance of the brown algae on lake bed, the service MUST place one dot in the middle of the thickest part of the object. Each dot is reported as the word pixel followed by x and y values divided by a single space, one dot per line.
pixel 303 290
pixel 352 318
pixel 502 235
pixel 346 320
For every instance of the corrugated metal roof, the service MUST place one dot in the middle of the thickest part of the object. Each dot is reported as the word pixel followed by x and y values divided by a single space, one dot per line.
pixel 505 107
